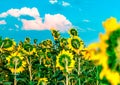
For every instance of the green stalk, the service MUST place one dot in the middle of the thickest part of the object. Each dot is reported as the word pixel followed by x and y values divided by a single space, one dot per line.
pixel 66 67
pixel 97 82
pixel 79 82
pixel 15 82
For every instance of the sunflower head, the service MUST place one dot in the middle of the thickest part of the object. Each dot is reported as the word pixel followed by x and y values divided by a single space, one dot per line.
pixel 8 44
pixel 109 51
pixel 16 62
pixel 47 44
pixel 75 44
pixel 42 81
pixel 27 40
pixel 55 34
pixel 73 32
pixel 28 49
pixel 111 24
pixel 62 58
pixel 63 42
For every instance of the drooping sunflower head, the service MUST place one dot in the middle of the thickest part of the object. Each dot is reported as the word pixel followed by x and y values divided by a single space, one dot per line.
pixel 65 58
pixel 47 44
pixel 40 54
pixel 63 42
pixel 111 25
pixel 73 32
pixel 27 40
pixel 75 44
pixel 28 49
pixel 55 34
pixel 7 44
pixel 109 54
pixel 16 62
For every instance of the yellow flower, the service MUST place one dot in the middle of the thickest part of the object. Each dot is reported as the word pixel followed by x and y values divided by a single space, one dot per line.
pixel 108 51
pixel 16 60
pixel 8 44
pixel 111 24
pixel 65 58
pixel 42 81
pixel 47 61
pixel 28 49
pixel 73 32
pixel 112 76
pixel 55 34
pixel 75 44
pixel 63 42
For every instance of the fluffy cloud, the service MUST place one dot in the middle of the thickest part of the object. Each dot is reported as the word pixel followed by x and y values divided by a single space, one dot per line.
pixel 65 4
pixel 2 22
pixel 53 1
pixel 33 12
pixel 57 21
pixel 86 20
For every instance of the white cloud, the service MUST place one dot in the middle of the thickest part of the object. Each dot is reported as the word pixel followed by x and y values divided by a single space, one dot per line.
pixel 80 29
pixel 65 4
pixel 53 1
pixel 17 26
pixel 2 22
pixel 90 29
pixel 86 20
pixel 57 21
pixel 33 12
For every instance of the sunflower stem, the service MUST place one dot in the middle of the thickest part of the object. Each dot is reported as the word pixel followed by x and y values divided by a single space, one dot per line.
pixel 30 70
pixel 15 82
pixel 29 67
pixel 79 82
pixel 2 45
pixel 66 67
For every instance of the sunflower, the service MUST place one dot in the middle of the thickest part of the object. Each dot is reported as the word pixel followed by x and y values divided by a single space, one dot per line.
pixel 16 60
pixel 62 58
pixel 55 34
pixel 47 44
pixel 42 81
pixel 75 44
pixel 109 51
pixel 7 44
pixel 47 62
pixel 28 49
pixel 73 32
pixel 63 42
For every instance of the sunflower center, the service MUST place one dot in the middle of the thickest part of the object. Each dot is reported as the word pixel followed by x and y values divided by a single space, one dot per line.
pixel 75 43
pixel 113 50
pixel 63 59
pixel 28 47
pixel 15 60
pixel 6 43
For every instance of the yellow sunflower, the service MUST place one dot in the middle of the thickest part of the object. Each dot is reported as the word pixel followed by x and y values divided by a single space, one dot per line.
pixel 7 44
pixel 47 62
pixel 75 44
pixel 42 81
pixel 15 59
pixel 55 34
pixel 63 42
pixel 73 32
pixel 28 49
pixel 109 51
pixel 65 58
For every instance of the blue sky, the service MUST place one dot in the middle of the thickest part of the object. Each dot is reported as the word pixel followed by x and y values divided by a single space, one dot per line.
pixel 34 18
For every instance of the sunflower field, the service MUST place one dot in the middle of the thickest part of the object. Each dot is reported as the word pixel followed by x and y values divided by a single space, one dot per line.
pixel 64 61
